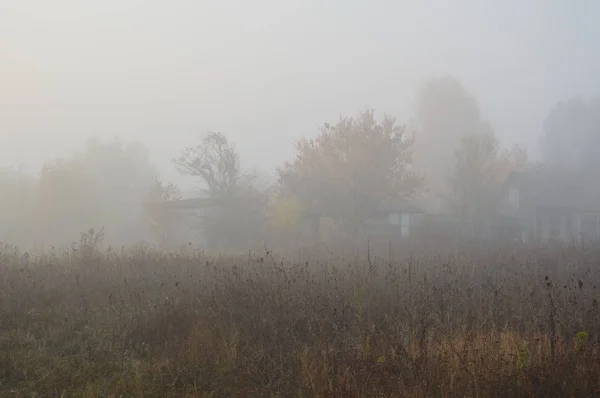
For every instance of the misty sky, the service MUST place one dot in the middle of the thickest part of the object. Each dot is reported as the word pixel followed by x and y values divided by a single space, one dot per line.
pixel 266 72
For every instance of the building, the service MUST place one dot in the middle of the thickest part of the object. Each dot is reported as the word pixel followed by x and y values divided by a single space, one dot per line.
pixel 394 218
pixel 391 218
pixel 541 206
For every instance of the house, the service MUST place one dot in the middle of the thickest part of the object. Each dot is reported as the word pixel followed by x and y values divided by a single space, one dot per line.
pixel 542 206
pixel 394 218
pixel 391 218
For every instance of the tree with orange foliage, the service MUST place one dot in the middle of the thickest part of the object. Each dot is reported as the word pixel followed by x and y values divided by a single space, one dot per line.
pixel 348 168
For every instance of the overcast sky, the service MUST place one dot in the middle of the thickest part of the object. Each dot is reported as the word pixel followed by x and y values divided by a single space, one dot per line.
pixel 266 72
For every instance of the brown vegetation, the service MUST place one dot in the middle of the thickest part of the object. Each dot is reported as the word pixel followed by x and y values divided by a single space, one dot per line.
pixel 463 322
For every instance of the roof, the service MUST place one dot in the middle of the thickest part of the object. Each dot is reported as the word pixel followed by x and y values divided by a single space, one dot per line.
pixel 546 187
pixel 398 205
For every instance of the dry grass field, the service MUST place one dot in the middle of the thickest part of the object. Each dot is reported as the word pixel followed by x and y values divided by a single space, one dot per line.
pixel 466 322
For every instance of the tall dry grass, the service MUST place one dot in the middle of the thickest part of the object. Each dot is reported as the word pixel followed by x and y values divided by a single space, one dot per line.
pixel 472 321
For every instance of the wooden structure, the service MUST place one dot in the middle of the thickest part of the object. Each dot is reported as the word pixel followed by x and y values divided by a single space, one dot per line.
pixel 542 206
pixel 180 221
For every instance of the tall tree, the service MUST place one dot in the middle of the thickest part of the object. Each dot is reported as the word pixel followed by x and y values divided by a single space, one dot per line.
pixel 481 166
pixel 571 136
pixel 349 167
pixel 445 112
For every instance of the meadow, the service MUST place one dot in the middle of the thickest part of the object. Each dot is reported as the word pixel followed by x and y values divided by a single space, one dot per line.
pixel 459 321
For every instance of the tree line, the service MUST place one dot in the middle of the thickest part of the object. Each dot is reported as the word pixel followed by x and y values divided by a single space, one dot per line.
pixel 447 158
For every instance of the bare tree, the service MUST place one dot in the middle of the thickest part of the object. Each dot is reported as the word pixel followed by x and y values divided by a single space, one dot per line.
pixel 240 216
pixel 215 161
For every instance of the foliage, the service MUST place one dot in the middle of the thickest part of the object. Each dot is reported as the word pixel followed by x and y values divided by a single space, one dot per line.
pixel 481 167
pixel 581 340
pixel 18 192
pixel 161 192
pixel 139 322
pixel 508 160
pixel 161 220
pixel 522 359
pixel 89 245
pixel 284 220
pixel 105 185
pixel 572 135
pixel 286 213
pixel 446 112
pixel 351 166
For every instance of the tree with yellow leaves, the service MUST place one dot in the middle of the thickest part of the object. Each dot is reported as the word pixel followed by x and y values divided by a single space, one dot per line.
pixel 350 167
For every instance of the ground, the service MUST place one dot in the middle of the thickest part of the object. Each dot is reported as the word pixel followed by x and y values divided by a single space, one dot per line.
pixel 453 321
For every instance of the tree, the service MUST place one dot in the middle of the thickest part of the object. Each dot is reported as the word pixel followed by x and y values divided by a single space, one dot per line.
pixel 285 214
pixel 216 162
pixel 571 136
pixel 161 220
pixel 480 168
pixel 104 185
pixel 17 206
pixel 507 161
pixel 66 206
pixel 446 111
pixel 351 166
pixel 284 220
pixel 240 217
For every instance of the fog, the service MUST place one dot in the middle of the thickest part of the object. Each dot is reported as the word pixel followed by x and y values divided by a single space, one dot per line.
pixel 267 73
